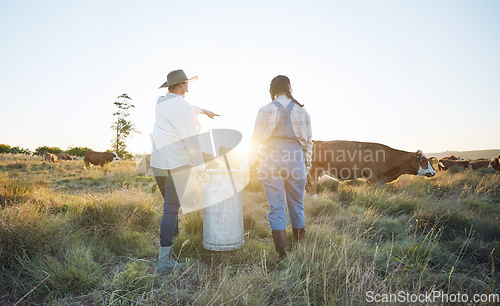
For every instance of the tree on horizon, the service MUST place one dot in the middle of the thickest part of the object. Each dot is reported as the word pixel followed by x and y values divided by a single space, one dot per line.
pixel 122 127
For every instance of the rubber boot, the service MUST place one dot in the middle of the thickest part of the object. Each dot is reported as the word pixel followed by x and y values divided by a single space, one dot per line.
pixel 298 234
pixel 279 237
pixel 165 261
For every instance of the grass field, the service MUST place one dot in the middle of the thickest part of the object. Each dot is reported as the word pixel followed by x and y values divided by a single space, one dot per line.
pixel 70 236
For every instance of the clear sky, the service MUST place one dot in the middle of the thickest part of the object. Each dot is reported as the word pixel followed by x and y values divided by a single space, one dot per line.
pixel 408 74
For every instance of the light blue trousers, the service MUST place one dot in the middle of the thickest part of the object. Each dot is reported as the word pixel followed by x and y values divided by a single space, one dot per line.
pixel 283 174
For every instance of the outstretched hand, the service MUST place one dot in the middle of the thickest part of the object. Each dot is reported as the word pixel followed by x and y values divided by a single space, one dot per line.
pixel 211 114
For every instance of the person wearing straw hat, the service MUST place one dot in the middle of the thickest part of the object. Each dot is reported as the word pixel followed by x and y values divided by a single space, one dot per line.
pixel 282 143
pixel 175 151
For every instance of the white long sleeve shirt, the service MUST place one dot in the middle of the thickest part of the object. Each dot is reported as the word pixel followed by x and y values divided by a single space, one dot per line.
pixel 175 121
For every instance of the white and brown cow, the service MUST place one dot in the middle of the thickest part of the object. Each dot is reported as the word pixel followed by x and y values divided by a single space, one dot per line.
pixel 98 158
pixel 371 161
pixel 50 157
pixel 495 163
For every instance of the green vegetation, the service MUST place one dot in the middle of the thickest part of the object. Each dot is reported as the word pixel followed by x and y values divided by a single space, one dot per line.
pixel 40 151
pixel 70 236
pixel 77 151
pixel 13 150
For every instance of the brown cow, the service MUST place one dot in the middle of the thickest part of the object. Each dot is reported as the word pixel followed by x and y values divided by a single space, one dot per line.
pixel 371 161
pixel 50 157
pixel 479 164
pixel 98 158
pixel 495 163
pixel 452 157
pixel 434 163
pixel 445 164
pixel 64 156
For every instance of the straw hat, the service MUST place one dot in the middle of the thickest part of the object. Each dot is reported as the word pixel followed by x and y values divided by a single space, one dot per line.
pixel 177 77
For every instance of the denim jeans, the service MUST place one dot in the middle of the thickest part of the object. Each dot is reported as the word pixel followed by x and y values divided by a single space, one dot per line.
pixel 172 185
pixel 283 174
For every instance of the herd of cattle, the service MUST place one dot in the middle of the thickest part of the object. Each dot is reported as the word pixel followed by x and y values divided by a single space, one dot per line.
pixel 53 158
pixel 89 158
pixel 446 163
pixel 346 160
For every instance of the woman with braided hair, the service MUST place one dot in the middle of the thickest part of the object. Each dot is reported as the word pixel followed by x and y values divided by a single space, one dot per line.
pixel 282 143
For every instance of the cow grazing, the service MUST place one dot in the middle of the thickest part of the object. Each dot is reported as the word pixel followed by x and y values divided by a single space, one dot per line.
pixel 495 163
pixel 434 163
pixel 98 158
pixel 64 156
pixel 371 161
pixel 479 164
pixel 50 157
pixel 445 164
pixel 452 157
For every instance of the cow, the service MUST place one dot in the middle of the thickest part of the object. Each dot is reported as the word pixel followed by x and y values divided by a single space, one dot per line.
pixel 434 163
pixel 371 161
pixel 64 156
pixel 445 164
pixel 495 163
pixel 452 157
pixel 98 158
pixel 50 157
pixel 479 164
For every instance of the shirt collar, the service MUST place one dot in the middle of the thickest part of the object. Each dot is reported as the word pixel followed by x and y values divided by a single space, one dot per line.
pixel 169 95
pixel 283 99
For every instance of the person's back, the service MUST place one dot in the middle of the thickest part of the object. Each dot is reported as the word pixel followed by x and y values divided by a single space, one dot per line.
pixel 175 151
pixel 174 121
pixel 282 135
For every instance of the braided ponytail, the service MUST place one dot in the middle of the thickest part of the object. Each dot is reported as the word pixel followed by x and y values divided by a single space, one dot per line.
pixel 289 95
pixel 280 84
